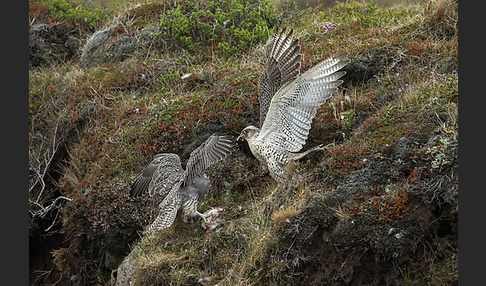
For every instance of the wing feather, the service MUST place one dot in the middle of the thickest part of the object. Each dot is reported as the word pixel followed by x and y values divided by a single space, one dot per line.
pixel 159 176
pixel 168 209
pixel 293 107
pixel 283 66
pixel 212 150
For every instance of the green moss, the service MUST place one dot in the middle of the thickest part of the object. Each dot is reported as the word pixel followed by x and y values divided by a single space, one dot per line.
pixel 347 118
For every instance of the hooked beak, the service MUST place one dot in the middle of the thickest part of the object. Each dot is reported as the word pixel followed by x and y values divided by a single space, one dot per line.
pixel 240 138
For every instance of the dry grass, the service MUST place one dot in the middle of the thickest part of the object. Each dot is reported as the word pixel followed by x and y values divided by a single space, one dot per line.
pixel 61 259
pixel 144 100
pixel 340 212
pixel 182 253
pixel 283 217
pixel 138 14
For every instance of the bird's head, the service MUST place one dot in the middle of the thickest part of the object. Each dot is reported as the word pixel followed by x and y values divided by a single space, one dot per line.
pixel 249 133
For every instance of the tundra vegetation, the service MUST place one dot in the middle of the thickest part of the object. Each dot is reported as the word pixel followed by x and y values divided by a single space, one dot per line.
pixel 111 87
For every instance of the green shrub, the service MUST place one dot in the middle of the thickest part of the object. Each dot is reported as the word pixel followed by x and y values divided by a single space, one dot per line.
pixel 75 15
pixel 231 26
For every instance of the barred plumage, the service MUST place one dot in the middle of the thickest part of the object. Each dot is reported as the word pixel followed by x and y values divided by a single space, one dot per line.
pixel 288 116
pixel 159 176
pixel 283 66
pixel 181 189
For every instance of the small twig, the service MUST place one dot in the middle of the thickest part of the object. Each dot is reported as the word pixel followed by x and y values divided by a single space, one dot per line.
pixel 44 210
pixel 311 234
pixel 40 169
pixel 53 221
pixel 42 274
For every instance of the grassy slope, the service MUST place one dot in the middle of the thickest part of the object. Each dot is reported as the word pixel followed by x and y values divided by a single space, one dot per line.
pixel 379 206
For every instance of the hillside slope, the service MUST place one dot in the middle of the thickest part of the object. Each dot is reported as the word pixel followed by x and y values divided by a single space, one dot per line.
pixel 379 207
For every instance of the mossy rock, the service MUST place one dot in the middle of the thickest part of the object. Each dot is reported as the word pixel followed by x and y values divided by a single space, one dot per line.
pixel 51 43
pixel 110 44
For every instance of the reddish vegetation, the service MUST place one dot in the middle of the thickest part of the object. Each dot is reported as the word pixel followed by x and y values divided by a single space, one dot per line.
pixel 379 207
pixel 224 106
pixel 393 168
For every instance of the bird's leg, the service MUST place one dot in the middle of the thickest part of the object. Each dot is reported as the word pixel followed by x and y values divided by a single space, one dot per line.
pixel 329 145
pixel 312 150
pixel 203 216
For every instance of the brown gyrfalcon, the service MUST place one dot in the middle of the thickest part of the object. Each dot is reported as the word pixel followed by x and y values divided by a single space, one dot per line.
pixel 181 189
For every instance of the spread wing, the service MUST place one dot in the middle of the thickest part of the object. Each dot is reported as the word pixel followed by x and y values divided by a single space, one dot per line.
pixel 294 106
pixel 168 209
pixel 159 176
pixel 212 150
pixel 283 66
